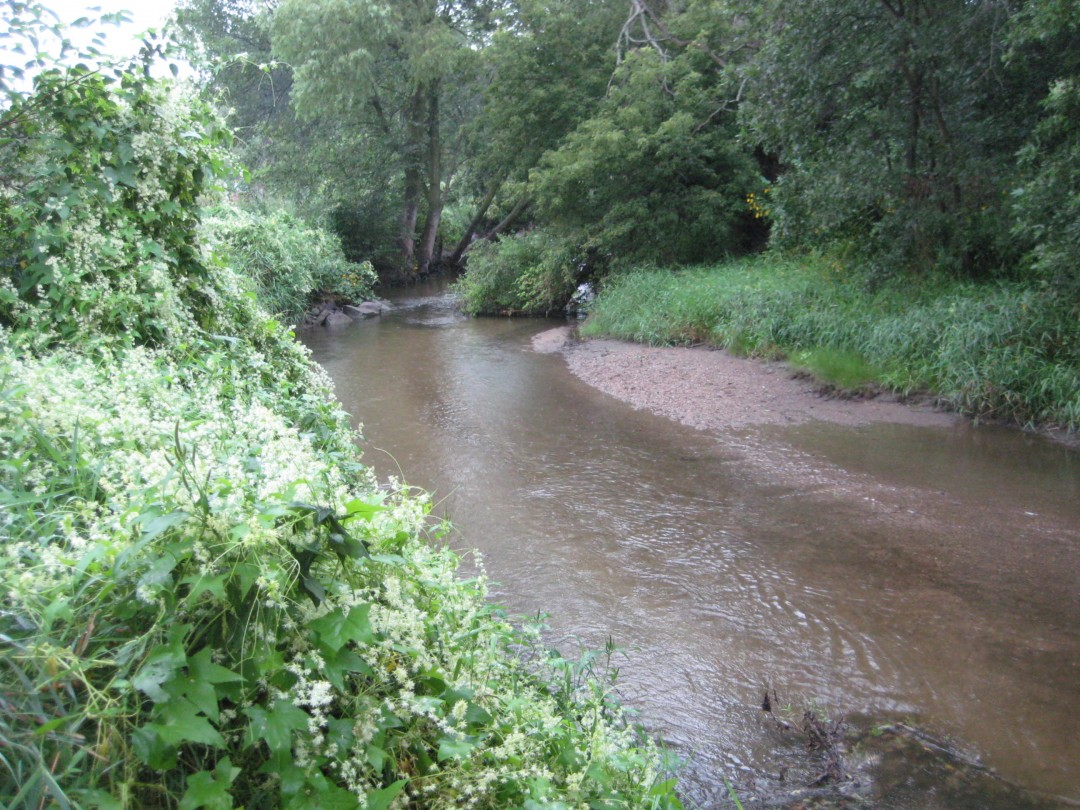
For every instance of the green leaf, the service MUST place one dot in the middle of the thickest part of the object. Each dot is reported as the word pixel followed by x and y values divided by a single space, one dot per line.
pixel 318 791
pixel 454 748
pixel 199 693
pixel 184 723
pixel 247 573
pixel 155 526
pixel 151 749
pixel 376 757
pixel 200 666
pixel 361 510
pixel 344 662
pixel 159 668
pixel 381 799
pixel 159 572
pixel 313 588
pixel 201 583
pixel 335 630
pixel 276 726
pixel 210 789
pixel 100 800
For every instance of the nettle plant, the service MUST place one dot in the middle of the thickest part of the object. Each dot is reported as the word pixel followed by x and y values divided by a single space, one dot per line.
pixel 205 600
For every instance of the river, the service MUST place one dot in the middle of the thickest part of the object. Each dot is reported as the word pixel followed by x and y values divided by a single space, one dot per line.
pixel 892 572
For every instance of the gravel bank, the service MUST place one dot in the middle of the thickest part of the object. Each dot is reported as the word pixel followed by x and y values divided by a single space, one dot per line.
pixel 713 390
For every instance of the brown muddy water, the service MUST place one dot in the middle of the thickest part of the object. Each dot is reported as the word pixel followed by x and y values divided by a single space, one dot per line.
pixel 926 575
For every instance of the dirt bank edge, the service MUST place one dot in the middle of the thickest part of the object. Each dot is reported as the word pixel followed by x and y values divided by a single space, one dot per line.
pixel 710 389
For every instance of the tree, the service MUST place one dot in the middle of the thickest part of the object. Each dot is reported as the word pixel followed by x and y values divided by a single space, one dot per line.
pixel 547 68
pixel 1046 52
pixel 399 75
pixel 656 173
pixel 895 124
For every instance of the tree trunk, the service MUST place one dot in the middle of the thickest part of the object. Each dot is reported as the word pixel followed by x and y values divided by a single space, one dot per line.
pixel 434 189
pixel 481 211
pixel 511 218
pixel 410 211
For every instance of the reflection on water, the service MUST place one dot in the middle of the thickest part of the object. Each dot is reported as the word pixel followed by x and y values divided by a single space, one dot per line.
pixel 932 574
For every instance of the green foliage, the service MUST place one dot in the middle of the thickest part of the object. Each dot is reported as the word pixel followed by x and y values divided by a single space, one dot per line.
pixel 288 260
pixel 532 273
pixel 207 602
pixel 997 351
pixel 550 64
pixel 841 370
pixel 394 82
pixel 895 126
pixel 98 205
pixel 1047 205
pixel 655 174
pixel 204 607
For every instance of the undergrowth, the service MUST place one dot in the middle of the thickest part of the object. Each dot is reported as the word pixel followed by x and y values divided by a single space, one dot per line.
pixel 205 600
pixel 1003 350
pixel 288 260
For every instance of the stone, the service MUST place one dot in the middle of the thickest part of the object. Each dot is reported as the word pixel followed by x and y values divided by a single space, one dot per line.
pixel 337 319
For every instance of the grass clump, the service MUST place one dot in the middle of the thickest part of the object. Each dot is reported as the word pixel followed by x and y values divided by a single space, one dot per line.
pixel 843 371
pixel 1005 350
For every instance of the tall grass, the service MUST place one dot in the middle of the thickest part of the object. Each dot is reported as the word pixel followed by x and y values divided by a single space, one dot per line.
pixel 999 350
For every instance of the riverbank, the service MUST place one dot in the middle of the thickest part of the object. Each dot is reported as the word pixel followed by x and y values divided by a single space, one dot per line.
pixel 995 351
pixel 715 390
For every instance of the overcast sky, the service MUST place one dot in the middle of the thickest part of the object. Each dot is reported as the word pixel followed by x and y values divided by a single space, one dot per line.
pixel 120 41
pixel 144 13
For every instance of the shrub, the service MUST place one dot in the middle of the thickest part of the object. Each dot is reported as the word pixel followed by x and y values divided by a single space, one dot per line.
pixel 532 273
pixel 288 260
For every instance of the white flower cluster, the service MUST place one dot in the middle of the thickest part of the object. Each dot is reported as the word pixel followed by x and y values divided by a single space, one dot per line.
pixel 156 439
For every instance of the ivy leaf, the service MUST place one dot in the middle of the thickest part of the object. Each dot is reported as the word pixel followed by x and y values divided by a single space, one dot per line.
pixel 199 693
pixel 159 572
pixel 276 726
pixel 159 668
pixel 313 588
pixel 201 583
pixel 151 749
pixel 201 667
pixel 361 510
pixel 454 748
pixel 344 662
pixel 321 793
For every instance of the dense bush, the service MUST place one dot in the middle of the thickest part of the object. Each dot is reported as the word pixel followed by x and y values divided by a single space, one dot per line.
pixel 288 260
pixel 993 350
pixel 532 273
pixel 205 600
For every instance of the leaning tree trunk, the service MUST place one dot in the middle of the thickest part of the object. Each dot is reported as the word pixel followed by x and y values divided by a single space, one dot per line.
pixel 514 215
pixel 481 211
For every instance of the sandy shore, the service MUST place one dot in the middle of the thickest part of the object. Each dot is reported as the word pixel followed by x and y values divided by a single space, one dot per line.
pixel 713 390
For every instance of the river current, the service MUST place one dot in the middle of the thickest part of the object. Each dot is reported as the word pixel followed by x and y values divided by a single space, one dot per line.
pixel 892 572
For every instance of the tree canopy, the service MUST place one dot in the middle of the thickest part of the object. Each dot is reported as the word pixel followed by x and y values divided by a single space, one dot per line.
pixel 916 135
